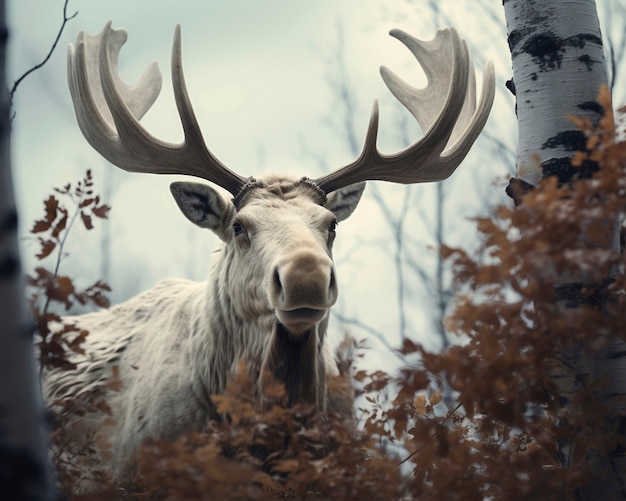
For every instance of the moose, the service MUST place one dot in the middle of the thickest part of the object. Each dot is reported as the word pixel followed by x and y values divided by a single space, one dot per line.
pixel 272 282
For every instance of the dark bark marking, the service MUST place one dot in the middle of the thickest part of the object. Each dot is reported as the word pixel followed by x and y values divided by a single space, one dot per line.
pixel 514 38
pixel 587 61
pixel 564 171
pixel 547 49
pixel 570 140
pixel 594 106
pixel 579 41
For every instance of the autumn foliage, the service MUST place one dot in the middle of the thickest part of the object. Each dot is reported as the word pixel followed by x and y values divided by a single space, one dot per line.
pixel 516 409
pixel 47 287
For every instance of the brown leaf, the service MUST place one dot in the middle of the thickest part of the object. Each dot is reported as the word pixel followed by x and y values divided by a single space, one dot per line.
pixel 61 289
pixel 100 300
pixel 40 226
pixel 86 202
pixel 60 226
pixel 266 481
pixel 101 211
pixel 47 246
pixel 286 466
pixel 86 220
pixel 51 206
pixel 65 190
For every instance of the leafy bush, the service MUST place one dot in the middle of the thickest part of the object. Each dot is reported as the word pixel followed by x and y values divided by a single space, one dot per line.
pixel 526 411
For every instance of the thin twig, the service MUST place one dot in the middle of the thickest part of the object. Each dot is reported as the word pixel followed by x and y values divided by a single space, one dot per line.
pixel 416 451
pixel 377 334
pixel 61 244
pixel 47 58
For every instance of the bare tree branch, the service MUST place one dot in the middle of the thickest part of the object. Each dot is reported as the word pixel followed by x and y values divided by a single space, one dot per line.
pixel 66 18
pixel 370 330
pixel 616 41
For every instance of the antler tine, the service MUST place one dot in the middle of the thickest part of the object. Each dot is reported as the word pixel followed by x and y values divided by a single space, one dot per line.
pixel 109 111
pixel 92 112
pixel 446 111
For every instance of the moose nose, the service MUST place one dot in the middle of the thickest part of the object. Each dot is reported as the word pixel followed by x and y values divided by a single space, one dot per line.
pixel 304 279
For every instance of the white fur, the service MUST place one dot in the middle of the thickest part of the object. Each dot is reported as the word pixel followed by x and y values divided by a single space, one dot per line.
pixel 176 344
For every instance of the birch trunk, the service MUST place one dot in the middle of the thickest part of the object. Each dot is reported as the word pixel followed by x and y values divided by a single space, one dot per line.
pixel 24 470
pixel 558 70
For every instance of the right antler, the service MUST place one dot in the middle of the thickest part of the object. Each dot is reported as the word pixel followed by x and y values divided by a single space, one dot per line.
pixel 446 111
pixel 108 113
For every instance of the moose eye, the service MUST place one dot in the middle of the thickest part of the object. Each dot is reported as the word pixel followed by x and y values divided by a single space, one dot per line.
pixel 331 232
pixel 238 229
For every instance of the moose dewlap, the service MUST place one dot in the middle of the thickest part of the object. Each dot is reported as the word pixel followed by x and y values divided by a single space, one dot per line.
pixel 272 282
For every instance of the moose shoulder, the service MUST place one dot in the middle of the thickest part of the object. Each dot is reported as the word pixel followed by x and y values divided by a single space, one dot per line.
pixel 272 282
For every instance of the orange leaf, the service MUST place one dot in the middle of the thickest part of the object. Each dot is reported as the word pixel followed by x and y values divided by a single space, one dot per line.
pixel 420 405
pixel 287 466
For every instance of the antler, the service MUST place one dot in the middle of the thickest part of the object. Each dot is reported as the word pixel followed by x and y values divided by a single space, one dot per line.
pixel 108 113
pixel 445 109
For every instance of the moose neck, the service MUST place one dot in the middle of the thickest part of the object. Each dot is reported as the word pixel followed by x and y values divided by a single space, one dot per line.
pixel 297 362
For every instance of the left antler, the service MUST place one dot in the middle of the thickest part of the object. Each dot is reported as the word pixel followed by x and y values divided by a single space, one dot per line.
pixel 446 111
pixel 108 113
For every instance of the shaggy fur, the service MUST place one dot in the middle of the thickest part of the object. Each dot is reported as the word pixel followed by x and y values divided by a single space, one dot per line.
pixel 173 346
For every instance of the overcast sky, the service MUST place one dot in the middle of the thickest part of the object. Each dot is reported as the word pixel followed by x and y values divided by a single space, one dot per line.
pixel 259 74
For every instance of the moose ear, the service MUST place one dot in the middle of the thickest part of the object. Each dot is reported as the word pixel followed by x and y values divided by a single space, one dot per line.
pixel 203 206
pixel 342 202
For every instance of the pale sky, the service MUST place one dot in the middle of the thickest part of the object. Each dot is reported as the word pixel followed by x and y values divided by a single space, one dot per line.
pixel 258 74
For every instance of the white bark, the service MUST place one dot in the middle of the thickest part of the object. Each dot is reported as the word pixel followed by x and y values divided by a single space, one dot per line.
pixel 558 70
pixel 24 472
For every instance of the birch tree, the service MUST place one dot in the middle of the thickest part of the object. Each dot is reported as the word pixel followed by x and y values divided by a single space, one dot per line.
pixel 558 71
pixel 24 472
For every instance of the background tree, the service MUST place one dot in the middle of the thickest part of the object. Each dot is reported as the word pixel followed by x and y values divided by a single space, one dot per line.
pixel 558 72
pixel 24 470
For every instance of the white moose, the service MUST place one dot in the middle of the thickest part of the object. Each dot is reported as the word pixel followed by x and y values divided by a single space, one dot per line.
pixel 272 282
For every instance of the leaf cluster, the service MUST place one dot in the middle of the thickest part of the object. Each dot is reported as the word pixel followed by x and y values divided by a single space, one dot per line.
pixel 54 223
pixel 277 452
pixel 57 339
